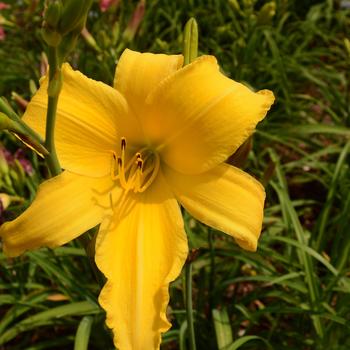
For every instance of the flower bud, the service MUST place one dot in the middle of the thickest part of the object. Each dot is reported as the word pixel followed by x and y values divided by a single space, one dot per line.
pixel 135 21
pixel 248 4
pixel 74 12
pixel 5 200
pixel 5 122
pixel 4 168
pixel 347 46
pixel 266 13
pixel 21 102
pixel 90 39
pixel 235 5
pixel 190 41
pixel 53 13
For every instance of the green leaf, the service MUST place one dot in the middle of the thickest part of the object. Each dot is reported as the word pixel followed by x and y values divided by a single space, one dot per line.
pixel 241 341
pixel 83 333
pixel 49 317
pixel 223 329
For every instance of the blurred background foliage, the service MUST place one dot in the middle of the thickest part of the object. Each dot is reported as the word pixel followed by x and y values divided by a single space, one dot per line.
pixel 294 293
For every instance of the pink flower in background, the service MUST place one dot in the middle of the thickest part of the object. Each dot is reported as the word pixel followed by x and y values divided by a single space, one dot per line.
pixel 4 6
pixel 136 19
pixel 106 4
pixel 20 156
pixel 2 33
pixel 25 163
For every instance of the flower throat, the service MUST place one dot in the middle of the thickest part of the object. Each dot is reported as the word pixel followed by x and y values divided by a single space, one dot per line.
pixel 138 173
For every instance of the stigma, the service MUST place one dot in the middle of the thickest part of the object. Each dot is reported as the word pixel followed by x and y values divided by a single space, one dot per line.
pixel 136 173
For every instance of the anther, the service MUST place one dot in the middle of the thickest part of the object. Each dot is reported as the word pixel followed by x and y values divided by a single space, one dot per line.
pixel 138 172
pixel 123 143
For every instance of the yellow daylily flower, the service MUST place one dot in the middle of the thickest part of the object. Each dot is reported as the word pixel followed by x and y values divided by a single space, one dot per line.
pixel 131 154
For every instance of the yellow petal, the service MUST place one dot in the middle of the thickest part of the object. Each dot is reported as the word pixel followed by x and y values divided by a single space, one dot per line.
pixel 141 251
pixel 198 116
pixel 91 118
pixel 137 74
pixel 225 198
pixel 65 207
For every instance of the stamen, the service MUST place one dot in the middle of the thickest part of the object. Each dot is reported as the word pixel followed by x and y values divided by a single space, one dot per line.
pixel 123 143
pixel 121 172
pixel 139 172
pixel 113 168
pixel 154 174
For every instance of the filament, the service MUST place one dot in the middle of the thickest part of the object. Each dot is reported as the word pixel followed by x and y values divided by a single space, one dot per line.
pixel 139 172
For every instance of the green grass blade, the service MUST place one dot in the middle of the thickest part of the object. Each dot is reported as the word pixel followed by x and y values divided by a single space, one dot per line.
pixel 292 217
pixel 223 329
pixel 241 341
pixel 82 337
pixel 49 317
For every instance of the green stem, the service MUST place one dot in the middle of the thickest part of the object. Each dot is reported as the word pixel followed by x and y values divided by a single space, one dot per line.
pixel 190 52
pixel 189 309
pixel 51 158
pixel 54 90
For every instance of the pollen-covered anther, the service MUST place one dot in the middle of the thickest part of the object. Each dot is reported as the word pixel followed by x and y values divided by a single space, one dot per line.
pixel 139 172
pixel 123 143
pixel 140 163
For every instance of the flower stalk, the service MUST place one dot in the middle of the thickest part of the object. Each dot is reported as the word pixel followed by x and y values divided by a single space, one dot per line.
pixel 190 52
pixel 189 307
pixel 54 89
pixel 62 25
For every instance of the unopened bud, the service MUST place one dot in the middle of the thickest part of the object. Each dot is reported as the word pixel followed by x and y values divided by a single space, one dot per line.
pixel 190 41
pixel 347 46
pixel 5 122
pixel 53 13
pixel 5 200
pixel 44 67
pixel 21 102
pixel 8 124
pixel 90 39
pixel 235 5
pixel 4 168
pixel 135 21
pixel 248 4
pixel 74 12
pixel 266 13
